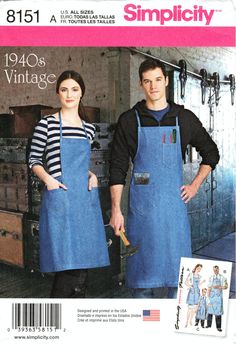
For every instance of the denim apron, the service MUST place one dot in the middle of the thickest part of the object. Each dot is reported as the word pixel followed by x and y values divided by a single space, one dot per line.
pixel 202 309
pixel 216 298
pixel 194 291
pixel 71 228
pixel 157 219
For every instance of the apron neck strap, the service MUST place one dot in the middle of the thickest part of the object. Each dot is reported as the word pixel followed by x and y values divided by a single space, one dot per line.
pixel 86 133
pixel 60 142
pixel 60 124
pixel 139 123
pixel 138 118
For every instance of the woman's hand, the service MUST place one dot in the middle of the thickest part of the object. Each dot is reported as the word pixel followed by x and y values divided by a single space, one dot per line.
pixel 92 181
pixel 52 183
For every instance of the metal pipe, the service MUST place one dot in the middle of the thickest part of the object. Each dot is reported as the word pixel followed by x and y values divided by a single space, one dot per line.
pixel 198 76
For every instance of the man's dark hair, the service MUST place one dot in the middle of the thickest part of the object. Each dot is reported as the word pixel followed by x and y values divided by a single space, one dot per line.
pixel 151 64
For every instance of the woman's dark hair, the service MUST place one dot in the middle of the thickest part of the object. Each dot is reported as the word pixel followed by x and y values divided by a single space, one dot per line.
pixel 71 74
pixel 196 266
pixel 151 64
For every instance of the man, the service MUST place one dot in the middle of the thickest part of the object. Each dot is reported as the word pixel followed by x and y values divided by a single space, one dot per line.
pixel 217 283
pixel 155 134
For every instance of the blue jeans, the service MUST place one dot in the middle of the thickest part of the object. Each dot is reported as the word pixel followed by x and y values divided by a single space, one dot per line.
pixel 158 292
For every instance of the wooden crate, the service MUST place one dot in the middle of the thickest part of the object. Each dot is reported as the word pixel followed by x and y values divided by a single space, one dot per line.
pixel 11 238
pixel 25 118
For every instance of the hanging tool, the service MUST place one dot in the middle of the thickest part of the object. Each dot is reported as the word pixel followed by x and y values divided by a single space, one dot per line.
pixel 204 84
pixel 207 188
pixel 216 85
pixel 182 76
pixel 232 87
pixel 211 109
pixel 130 249
pixel 213 187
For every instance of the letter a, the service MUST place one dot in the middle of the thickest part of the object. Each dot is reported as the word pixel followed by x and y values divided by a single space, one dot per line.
pixel 53 19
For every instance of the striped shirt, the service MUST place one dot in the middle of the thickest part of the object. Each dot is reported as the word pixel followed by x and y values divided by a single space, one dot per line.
pixel 46 140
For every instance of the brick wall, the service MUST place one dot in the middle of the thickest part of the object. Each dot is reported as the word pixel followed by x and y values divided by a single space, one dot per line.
pixel 91 63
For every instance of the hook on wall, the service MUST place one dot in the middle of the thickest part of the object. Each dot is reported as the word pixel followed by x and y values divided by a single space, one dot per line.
pixel 183 76
pixel 204 84
pixel 216 85
pixel 232 87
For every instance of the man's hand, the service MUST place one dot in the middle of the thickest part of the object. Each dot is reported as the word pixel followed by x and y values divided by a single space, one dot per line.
pixel 188 192
pixel 117 221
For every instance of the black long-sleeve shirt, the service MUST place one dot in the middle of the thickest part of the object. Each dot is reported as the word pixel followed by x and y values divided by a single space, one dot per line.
pixel 125 139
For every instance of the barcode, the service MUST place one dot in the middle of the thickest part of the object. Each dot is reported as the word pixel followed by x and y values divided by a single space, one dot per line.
pixel 36 315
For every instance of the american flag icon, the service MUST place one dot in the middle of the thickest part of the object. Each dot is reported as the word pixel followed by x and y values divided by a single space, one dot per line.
pixel 151 315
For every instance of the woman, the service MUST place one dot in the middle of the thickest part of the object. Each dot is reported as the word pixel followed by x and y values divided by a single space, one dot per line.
pixel 193 283
pixel 72 235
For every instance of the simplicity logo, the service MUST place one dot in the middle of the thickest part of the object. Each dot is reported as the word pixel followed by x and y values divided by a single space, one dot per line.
pixel 176 14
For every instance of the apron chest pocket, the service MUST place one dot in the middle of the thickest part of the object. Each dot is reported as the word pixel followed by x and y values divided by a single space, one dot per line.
pixel 169 155
pixel 142 198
